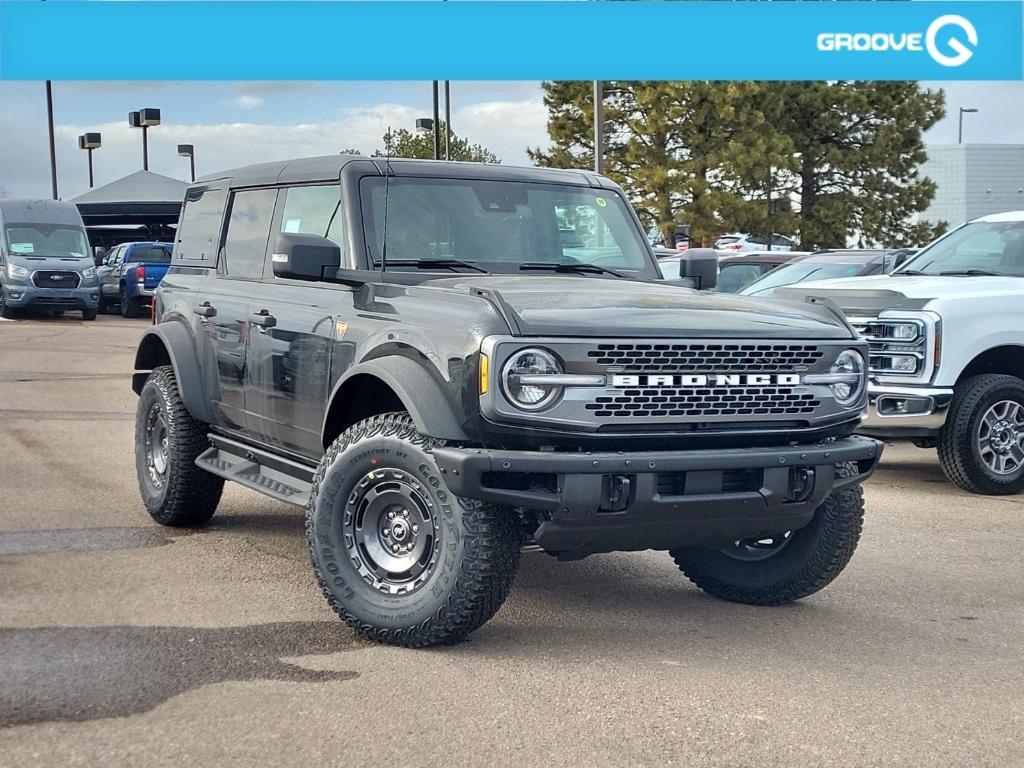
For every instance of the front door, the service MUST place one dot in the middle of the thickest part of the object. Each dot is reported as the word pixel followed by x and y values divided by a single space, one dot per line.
pixel 290 356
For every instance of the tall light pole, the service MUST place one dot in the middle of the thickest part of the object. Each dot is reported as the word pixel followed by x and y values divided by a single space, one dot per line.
pixel 960 133
pixel 144 119
pixel 447 121
pixel 437 124
pixel 189 151
pixel 89 142
pixel 53 144
pixel 598 126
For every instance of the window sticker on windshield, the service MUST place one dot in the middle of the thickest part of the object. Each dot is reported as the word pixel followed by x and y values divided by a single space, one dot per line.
pixel 293 225
pixel 601 202
pixel 23 248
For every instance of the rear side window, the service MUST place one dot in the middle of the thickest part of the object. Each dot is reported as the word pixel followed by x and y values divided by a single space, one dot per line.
pixel 245 246
pixel 199 227
pixel 150 254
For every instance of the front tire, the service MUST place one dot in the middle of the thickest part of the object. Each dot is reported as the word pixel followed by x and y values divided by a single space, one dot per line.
pixel 786 567
pixel 981 445
pixel 89 314
pixel 398 556
pixel 167 442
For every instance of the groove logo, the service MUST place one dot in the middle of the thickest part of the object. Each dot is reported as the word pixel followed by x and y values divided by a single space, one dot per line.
pixel 929 41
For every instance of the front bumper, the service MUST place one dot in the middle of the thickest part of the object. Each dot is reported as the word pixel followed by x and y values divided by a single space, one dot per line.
pixel 895 411
pixel 31 297
pixel 605 502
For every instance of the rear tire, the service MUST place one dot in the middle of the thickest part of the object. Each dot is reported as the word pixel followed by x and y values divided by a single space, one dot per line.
pixel 167 442
pixel 103 305
pixel 129 306
pixel 398 556
pixel 981 445
pixel 797 564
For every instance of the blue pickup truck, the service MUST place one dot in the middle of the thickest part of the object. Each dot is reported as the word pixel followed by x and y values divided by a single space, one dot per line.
pixel 130 273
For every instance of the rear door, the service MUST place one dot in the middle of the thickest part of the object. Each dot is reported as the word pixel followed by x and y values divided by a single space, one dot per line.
pixel 290 360
pixel 228 298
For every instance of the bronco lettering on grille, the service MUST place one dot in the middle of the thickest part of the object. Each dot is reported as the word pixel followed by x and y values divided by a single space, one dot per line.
pixel 707 379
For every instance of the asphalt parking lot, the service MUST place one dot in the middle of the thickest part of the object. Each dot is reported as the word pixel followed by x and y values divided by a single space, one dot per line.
pixel 123 643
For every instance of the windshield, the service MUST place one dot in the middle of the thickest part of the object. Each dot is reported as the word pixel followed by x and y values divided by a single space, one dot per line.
pixel 823 268
pixel 985 246
pixel 47 240
pixel 497 226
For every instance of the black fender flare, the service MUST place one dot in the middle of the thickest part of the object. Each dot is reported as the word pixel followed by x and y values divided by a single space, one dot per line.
pixel 424 397
pixel 172 342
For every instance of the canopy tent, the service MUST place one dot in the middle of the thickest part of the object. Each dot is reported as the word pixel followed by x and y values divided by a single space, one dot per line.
pixel 141 206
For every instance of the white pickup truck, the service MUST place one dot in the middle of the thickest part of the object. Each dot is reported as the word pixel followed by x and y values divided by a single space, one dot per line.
pixel 946 336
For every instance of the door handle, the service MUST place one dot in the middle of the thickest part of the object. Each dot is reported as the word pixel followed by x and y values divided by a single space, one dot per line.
pixel 205 310
pixel 263 319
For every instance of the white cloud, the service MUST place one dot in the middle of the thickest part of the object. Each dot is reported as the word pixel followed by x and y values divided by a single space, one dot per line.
pixel 507 128
pixel 246 101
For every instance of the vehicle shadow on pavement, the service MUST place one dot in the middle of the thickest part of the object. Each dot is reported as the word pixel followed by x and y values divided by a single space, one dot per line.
pixel 85 673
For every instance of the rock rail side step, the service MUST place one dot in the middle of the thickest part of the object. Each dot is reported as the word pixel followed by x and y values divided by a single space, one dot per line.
pixel 277 477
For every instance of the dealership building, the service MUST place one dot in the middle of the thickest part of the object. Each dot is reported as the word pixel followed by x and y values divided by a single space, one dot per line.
pixel 974 180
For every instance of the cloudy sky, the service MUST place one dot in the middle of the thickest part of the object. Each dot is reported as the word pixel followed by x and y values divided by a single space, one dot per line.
pixel 235 124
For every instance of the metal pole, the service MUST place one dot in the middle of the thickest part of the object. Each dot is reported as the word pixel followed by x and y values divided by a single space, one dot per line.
pixel 192 162
pixel 960 133
pixel 145 149
pixel 768 211
pixel 53 145
pixel 598 126
pixel 437 125
pixel 90 168
pixel 447 121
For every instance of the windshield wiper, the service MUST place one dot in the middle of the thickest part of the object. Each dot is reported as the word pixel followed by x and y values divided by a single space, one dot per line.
pixel 563 266
pixel 428 263
pixel 902 272
pixel 972 273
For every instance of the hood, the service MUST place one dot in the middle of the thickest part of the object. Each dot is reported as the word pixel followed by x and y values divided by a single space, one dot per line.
pixel 552 305
pixel 870 295
pixel 49 262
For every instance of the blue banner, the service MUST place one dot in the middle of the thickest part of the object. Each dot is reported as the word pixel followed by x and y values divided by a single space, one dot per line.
pixel 400 40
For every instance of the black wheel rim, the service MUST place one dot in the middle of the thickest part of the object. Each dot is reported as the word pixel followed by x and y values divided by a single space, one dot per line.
pixel 391 531
pixel 156 443
pixel 752 550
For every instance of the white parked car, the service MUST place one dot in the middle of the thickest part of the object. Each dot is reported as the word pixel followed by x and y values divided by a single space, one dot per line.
pixel 738 242
pixel 946 334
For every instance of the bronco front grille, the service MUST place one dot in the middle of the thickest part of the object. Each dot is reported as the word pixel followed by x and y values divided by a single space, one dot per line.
pixel 721 358
pixel 704 402
pixel 55 279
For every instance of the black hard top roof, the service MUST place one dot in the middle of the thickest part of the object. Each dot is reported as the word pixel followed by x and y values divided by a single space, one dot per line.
pixel 329 168
pixel 15 211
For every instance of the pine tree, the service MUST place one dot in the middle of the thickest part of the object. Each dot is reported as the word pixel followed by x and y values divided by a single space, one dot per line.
pixel 405 143
pixel 859 148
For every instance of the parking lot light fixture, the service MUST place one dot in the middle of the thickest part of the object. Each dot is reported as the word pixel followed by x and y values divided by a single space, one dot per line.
pixel 144 119
pixel 424 125
pixel 89 142
pixel 189 151
pixel 960 132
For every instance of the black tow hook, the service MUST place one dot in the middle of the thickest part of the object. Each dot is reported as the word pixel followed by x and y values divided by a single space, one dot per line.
pixel 617 492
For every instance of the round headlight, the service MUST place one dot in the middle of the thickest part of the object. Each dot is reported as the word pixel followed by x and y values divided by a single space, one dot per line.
pixel 851 363
pixel 522 379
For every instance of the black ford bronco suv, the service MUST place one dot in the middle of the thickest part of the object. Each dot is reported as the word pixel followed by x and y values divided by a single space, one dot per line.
pixel 443 362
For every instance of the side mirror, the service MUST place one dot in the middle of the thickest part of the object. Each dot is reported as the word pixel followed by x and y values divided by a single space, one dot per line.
pixel 304 257
pixel 700 267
